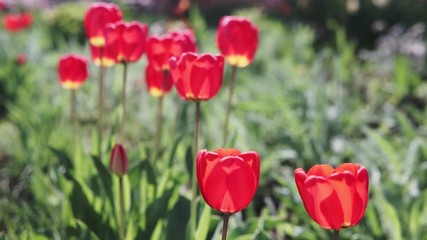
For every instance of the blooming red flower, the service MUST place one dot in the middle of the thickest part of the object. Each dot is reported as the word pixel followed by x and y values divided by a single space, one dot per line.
pixel 127 40
pixel 17 22
pixel 197 77
pixel 108 56
pixel 228 178
pixel 159 83
pixel 97 16
pixel 72 71
pixel 173 44
pixel 334 198
pixel 237 39
pixel 118 160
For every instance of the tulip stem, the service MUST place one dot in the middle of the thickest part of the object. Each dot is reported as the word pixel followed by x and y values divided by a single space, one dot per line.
pixel 225 226
pixel 73 113
pixel 121 209
pixel 100 102
pixel 336 234
pixel 159 122
pixel 123 118
pixel 193 176
pixel 229 104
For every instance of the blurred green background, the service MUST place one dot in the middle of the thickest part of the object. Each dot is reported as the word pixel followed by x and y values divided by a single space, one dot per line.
pixel 333 81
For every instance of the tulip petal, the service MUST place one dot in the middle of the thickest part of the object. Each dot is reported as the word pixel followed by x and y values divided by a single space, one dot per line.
pixel 326 208
pixel 344 185
pixel 321 170
pixel 231 185
pixel 361 196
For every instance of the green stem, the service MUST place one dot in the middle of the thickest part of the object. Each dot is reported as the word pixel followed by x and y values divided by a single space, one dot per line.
pixel 229 104
pixel 336 234
pixel 123 117
pixel 73 112
pixel 121 208
pixel 159 121
pixel 100 102
pixel 193 176
pixel 225 226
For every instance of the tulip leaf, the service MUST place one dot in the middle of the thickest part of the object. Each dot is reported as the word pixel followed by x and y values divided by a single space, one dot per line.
pixel 177 220
pixel 204 221
pixel 106 179
pixel 64 160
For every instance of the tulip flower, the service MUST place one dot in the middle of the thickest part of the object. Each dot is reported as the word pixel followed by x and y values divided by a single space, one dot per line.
pixel 72 71
pixel 334 198
pixel 96 18
pixel 228 178
pixel 237 39
pixel 173 44
pixel 118 160
pixel 17 22
pixel 157 83
pixel 159 51
pixel 197 77
pixel 127 40
pixel 21 59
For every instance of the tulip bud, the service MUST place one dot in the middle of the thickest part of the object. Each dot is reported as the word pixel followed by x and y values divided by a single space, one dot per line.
pixel 118 160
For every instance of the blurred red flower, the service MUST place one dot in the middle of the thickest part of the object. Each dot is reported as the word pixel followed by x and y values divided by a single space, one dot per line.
pixel 228 178
pixel 21 58
pixel 17 22
pixel 197 77
pixel 118 160
pixel 72 71
pixel 159 83
pixel 334 198
pixel 126 40
pixel 172 44
pixel 97 16
pixel 237 39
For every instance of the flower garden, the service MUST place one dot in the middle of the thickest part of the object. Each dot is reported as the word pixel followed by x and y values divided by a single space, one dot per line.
pixel 122 125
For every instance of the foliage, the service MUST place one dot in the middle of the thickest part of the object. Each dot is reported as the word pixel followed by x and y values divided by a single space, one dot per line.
pixel 295 105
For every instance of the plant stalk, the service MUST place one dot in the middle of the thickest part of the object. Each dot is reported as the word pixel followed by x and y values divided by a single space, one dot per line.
pixel 229 104
pixel 225 226
pixel 193 176
pixel 100 102
pixel 336 234
pixel 159 125
pixel 121 209
pixel 122 129
pixel 73 111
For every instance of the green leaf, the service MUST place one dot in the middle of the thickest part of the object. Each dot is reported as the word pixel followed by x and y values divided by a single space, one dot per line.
pixel 204 221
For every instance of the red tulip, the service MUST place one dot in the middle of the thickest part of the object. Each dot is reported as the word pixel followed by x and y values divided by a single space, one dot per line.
pixel 72 71
pixel 237 39
pixel 173 44
pixel 108 56
pixel 228 178
pixel 17 22
pixel 97 17
pixel 197 77
pixel 127 40
pixel 21 59
pixel 159 83
pixel 334 198
pixel 118 160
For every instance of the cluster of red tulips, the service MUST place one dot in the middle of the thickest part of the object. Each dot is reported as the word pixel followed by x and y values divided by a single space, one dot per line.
pixel 227 178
